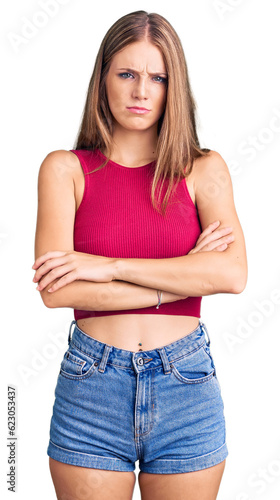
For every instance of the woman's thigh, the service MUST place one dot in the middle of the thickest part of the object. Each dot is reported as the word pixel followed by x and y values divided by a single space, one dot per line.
pixel 200 485
pixel 72 482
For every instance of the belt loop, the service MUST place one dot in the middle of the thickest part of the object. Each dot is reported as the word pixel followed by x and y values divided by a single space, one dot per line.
pixel 69 335
pixel 105 355
pixel 165 362
pixel 206 332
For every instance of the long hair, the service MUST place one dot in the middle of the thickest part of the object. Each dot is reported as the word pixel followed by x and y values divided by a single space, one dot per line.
pixel 178 143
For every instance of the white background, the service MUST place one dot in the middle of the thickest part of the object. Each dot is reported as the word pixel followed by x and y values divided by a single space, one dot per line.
pixel 232 51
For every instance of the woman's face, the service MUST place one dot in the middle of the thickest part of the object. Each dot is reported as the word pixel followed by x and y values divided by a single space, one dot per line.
pixel 136 86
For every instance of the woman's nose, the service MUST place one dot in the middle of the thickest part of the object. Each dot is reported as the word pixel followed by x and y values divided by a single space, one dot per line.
pixel 140 89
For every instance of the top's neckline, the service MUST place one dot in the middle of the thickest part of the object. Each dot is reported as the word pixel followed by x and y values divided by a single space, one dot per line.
pixel 124 166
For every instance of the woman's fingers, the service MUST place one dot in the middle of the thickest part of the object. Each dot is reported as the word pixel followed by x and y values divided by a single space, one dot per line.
pixel 65 280
pixel 76 265
pixel 209 229
pixel 215 236
pixel 55 273
pixel 46 256
pixel 222 247
pixel 48 265
pixel 221 244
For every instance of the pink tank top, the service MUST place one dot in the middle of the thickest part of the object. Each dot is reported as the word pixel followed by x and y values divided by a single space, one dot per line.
pixel 116 219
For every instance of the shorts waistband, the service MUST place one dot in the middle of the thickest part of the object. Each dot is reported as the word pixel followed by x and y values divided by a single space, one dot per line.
pixel 141 360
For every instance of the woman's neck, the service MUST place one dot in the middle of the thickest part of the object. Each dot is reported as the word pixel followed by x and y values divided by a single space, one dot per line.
pixel 134 148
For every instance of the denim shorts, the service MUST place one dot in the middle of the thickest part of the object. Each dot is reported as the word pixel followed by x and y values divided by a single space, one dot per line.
pixel 162 407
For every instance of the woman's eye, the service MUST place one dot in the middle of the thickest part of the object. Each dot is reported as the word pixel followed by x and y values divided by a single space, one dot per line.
pixel 160 79
pixel 125 75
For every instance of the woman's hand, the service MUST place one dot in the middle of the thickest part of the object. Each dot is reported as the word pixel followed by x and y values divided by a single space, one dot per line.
pixel 213 238
pixel 71 266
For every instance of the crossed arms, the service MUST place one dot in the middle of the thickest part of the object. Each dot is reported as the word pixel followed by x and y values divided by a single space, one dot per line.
pixel 217 263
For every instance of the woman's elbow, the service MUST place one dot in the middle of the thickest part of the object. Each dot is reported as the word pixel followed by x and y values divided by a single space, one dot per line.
pixel 55 299
pixel 48 299
pixel 238 279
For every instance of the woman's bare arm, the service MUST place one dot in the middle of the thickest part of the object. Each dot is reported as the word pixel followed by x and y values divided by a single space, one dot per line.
pixel 54 231
pixel 112 296
pixel 202 273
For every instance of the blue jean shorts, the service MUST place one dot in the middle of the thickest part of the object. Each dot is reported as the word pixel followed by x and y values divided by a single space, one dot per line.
pixel 162 408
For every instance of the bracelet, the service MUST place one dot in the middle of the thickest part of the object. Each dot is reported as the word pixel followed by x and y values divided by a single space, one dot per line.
pixel 159 294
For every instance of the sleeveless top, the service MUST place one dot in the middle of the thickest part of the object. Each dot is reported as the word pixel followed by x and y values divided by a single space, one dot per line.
pixel 116 219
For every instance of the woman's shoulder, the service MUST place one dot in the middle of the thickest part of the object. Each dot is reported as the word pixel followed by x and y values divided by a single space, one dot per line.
pixel 62 156
pixel 210 158
pixel 212 163
pixel 210 172
pixel 60 162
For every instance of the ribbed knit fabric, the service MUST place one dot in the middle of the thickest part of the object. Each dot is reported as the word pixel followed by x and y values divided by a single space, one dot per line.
pixel 116 219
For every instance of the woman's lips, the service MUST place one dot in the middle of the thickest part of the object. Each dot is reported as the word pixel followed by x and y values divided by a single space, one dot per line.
pixel 138 111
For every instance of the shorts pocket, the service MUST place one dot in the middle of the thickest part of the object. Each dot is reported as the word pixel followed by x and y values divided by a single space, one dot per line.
pixel 194 368
pixel 76 364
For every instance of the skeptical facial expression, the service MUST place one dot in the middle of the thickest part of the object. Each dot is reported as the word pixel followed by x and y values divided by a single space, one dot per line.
pixel 136 86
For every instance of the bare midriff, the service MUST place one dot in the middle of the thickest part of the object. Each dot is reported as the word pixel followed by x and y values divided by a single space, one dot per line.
pixel 136 332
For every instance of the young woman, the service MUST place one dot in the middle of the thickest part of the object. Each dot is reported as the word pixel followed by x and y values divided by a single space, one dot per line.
pixel 134 226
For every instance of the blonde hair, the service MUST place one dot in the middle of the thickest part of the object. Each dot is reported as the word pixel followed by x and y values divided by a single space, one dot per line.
pixel 178 143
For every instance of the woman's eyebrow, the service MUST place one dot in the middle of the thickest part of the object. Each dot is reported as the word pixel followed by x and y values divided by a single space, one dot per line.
pixel 135 71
